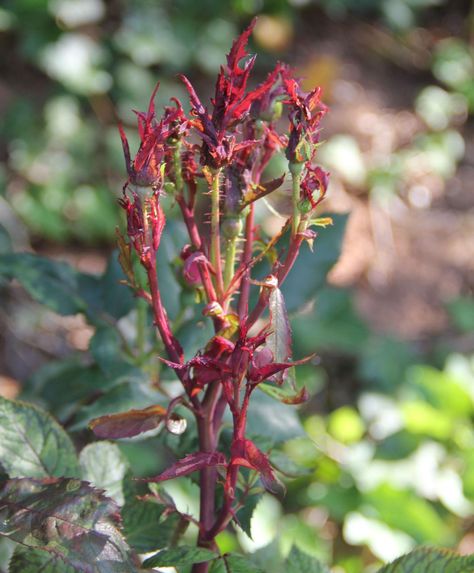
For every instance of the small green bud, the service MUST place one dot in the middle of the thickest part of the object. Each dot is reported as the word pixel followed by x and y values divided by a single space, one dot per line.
pixel 170 187
pixel 305 206
pixel 231 227
pixel 277 110
pixel 295 168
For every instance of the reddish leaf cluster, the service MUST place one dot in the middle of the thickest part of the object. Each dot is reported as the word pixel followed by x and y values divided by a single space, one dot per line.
pixel 239 133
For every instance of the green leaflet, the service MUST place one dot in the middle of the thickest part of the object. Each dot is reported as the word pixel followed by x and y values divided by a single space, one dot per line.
pixel 143 523
pixel 33 444
pixel 51 283
pixel 104 466
pixel 430 560
pixel 309 272
pixel 180 556
pixel 65 290
pixel 67 518
pixel 298 561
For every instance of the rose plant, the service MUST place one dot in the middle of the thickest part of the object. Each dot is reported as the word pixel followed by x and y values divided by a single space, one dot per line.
pixel 211 166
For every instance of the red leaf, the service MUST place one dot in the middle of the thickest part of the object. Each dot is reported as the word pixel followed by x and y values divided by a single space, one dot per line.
pixel 128 424
pixel 245 453
pixel 189 464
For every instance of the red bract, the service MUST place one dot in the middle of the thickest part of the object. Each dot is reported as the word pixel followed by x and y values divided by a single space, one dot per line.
pixel 146 169
pixel 231 105
pixel 305 113
pixel 314 185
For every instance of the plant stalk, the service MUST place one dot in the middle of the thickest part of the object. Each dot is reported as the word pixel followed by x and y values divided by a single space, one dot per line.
pixel 215 234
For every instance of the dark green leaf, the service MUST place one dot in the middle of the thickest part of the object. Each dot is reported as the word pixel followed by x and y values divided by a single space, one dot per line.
pixel 461 311
pixel 117 298
pixel 33 444
pixel 298 561
pixel 180 556
pixel 333 324
pixel 104 466
pixel 171 244
pixel 430 560
pixel 244 515
pixel 51 283
pixel 64 384
pixel 232 563
pixel 397 446
pixel 106 347
pixel 270 418
pixel 144 525
pixel 68 518
pixel 311 268
pixel 384 361
pixel 122 397
pixel 28 560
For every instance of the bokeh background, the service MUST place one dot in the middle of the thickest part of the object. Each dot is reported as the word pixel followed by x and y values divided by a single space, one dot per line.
pixel 393 325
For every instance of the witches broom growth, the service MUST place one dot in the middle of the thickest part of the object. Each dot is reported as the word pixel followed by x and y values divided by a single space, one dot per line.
pixel 217 156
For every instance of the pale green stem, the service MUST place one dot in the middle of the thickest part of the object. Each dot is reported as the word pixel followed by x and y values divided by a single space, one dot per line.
pixel 215 234
pixel 230 252
pixel 295 170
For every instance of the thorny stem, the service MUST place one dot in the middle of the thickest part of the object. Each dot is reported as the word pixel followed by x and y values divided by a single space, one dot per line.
pixel 246 257
pixel 230 252
pixel 226 513
pixel 173 348
pixel 207 435
pixel 215 234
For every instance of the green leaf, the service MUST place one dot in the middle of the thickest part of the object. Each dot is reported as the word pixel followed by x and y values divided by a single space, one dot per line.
pixel 333 325
pixel 51 283
pixel 403 510
pixel 68 518
pixel 461 311
pixel 309 273
pixel 271 419
pixel 33 444
pixel 430 560
pixel 440 389
pixel 244 515
pixel 231 563
pixel 106 347
pixel 48 385
pixel 104 466
pixel 180 556
pixel 384 361
pixel 172 241
pixel 117 298
pixel 122 397
pixel 27 560
pixel 144 525
pixel 298 561
pixel 397 446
